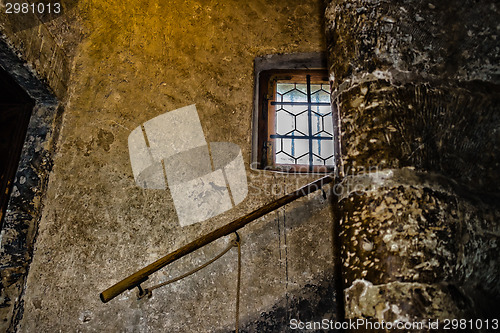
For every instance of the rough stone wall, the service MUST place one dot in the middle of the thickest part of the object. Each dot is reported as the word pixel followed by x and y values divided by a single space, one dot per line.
pixel 37 51
pixel 137 60
pixel 19 224
pixel 416 85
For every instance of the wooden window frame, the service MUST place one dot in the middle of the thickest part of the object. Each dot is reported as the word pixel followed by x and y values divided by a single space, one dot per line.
pixel 266 155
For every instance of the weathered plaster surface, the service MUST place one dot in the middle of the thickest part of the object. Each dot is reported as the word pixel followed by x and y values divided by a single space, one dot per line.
pixel 404 302
pixel 416 86
pixel 421 78
pixel 430 126
pixel 408 41
pixel 415 235
pixel 138 60
pixel 425 233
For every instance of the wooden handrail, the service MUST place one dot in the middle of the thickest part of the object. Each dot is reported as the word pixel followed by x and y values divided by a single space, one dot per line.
pixel 142 275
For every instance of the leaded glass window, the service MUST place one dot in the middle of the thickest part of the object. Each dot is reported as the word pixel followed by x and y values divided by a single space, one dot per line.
pixel 300 123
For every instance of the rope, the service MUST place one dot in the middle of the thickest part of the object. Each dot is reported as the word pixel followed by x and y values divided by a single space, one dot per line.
pixel 238 286
pixel 234 243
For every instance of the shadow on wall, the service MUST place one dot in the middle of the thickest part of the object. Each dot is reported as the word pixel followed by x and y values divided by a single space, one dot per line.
pixel 313 303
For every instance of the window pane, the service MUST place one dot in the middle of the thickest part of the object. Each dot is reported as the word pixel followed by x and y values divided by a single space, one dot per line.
pixel 294 109
pixel 320 96
pixel 323 152
pixel 303 123
pixel 291 150
pixel 281 158
pixel 301 87
pixel 293 95
pixel 304 159
pixel 321 109
pixel 295 147
pixel 317 123
pixel 315 88
pixel 285 122
pixel 328 124
pixel 322 125
pixel 282 88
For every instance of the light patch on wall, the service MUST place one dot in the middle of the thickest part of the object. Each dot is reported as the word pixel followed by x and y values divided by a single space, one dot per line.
pixel 204 179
